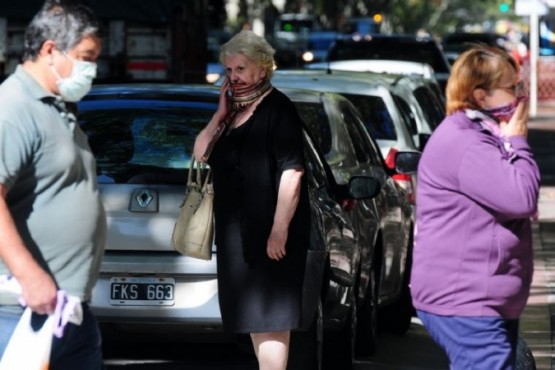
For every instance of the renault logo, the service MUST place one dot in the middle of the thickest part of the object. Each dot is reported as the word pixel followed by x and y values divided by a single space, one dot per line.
pixel 144 197
pixel 144 200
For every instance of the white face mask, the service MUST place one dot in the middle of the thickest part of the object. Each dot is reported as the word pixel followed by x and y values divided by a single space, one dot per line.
pixel 78 84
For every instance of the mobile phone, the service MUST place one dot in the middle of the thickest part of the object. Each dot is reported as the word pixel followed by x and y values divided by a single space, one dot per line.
pixel 229 91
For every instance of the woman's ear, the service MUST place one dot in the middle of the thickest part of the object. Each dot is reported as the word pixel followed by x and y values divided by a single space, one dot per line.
pixel 479 97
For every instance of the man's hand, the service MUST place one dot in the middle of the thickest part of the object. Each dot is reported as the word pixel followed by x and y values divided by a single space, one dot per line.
pixel 38 291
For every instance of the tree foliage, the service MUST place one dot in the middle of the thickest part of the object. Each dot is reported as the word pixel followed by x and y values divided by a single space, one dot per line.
pixel 407 16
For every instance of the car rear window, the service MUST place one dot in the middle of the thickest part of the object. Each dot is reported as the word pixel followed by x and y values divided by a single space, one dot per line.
pixel 417 51
pixel 433 108
pixel 317 123
pixel 375 114
pixel 142 141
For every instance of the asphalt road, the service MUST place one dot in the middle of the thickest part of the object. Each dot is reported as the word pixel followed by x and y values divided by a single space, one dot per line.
pixel 413 351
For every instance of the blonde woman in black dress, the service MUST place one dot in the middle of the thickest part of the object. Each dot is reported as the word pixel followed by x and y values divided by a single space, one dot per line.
pixel 261 201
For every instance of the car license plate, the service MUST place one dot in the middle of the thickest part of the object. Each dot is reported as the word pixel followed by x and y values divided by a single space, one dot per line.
pixel 142 291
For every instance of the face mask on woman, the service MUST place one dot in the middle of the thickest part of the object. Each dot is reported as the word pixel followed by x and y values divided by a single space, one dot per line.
pixel 78 84
pixel 503 112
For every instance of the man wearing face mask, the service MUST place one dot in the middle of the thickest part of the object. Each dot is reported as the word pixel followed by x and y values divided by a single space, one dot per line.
pixel 52 222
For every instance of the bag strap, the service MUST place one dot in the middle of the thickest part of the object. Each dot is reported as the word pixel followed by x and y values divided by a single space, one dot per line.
pixel 207 179
pixel 197 167
pixel 191 167
pixel 217 133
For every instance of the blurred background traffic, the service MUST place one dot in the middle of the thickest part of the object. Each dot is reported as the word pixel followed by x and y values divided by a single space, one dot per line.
pixel 178 40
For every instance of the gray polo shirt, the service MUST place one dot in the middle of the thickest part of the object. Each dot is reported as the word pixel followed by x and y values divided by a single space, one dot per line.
pixel 49 170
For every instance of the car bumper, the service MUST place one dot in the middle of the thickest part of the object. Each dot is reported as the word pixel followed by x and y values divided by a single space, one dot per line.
pixel 195 291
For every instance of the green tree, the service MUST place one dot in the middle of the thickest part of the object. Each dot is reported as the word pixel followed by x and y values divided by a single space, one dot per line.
pixel 439 16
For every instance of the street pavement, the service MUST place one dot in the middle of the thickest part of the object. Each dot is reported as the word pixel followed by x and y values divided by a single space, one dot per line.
pixel 538 321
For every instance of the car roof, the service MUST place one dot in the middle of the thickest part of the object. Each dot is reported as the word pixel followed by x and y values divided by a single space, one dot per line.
pixel 491 38
pixel 337 81
pixel 353 83
pixel 391 47
pixel 154 91
pixel 378 66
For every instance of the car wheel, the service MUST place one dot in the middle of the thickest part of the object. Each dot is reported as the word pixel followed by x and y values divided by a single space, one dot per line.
pixel 306 352
pixel 396 317
pixel 367 330
pixel 339 346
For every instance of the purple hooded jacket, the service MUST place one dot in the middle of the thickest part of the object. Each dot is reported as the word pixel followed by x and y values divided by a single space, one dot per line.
pixel 473 242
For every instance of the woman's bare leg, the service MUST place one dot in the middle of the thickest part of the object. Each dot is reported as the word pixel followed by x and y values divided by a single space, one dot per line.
pixel 272 349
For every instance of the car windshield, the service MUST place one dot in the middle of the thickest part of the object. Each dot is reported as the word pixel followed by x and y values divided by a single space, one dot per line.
pixel 142 141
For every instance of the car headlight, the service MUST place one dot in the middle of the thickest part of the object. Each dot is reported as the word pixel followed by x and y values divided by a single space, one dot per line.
pixel 212 77
pixel 308 56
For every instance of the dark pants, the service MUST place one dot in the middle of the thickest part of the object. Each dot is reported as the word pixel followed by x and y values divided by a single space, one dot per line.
pixel 474 342
pixel 79 348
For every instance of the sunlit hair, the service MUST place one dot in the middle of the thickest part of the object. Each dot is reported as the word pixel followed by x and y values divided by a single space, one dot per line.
pixel 481 67
pixel 254 47
pixel 64 23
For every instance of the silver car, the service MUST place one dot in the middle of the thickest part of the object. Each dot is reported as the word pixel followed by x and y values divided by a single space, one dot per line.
pixel 375 99
pixel 142 137
pixel 420 95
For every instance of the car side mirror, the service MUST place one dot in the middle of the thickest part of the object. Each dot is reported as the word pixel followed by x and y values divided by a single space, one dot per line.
pixel 407 162
pixel 423 140
pixel 363 187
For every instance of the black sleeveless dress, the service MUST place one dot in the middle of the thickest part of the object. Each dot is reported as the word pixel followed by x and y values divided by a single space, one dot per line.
pixel 260 294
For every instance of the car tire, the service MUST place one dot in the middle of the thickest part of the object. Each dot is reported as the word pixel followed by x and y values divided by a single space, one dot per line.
pixel 396 317
pixel 305 351
pixel 367 329
pixel 339 346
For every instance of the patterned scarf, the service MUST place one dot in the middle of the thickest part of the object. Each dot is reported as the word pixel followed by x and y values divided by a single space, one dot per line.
pixel 243 96
pixel 489 124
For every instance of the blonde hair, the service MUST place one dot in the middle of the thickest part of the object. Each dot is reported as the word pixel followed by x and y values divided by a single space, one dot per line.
pixel 481 67
pixel 253 47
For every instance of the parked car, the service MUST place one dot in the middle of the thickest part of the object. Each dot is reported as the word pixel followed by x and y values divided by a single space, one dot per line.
pixel 373 97
pixel 398 67
pixel 420 99
pixel 382 289
pixel 423 109
pixel 142 137
pixel 457 42
pixel 394 47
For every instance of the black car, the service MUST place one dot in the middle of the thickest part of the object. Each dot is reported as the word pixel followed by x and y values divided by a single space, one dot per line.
pixel 455 43
pixel 394 47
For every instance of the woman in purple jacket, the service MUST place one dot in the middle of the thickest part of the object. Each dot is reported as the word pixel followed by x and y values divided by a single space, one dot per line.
pixel 477 190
